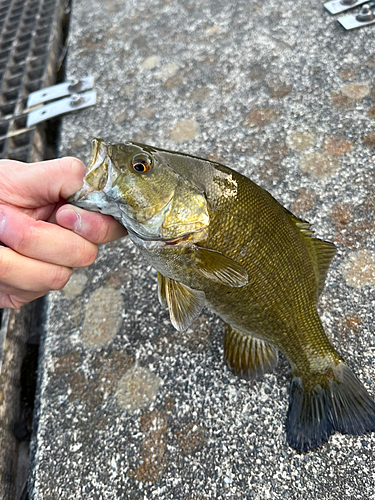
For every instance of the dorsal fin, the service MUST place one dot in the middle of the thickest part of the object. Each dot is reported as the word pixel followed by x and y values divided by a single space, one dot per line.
pixel 321 252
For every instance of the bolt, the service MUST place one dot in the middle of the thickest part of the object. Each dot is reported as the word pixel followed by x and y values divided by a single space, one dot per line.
pixel 75 86
pixel 76 99
pixel 365 14
pixel 348 2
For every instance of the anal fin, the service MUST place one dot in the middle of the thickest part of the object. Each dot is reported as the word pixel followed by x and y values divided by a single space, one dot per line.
pixel 247 356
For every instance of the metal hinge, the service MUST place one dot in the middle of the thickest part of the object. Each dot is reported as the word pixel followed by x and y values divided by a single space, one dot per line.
pixel 337 6
pixel 65 97
pixel 365 17
pixel 54 101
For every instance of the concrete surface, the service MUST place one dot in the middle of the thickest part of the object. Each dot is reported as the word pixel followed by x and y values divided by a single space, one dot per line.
pixel 128 407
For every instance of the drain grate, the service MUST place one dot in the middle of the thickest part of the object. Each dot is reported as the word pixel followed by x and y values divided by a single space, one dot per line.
pixel 30 48
pixel 31 34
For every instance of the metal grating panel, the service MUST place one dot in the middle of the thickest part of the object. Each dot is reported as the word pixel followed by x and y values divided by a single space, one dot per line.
pixel 30 51
pixel 30 47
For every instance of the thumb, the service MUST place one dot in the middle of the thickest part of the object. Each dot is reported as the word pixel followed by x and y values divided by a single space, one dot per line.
pixel 38 184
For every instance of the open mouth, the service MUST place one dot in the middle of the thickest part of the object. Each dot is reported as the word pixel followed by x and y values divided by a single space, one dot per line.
pixel 101 172
pixel 99 152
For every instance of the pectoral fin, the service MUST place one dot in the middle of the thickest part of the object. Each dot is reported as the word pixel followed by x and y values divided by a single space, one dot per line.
pixel 247 356
pixel 218 268
pixel 162 290
pixel 184 303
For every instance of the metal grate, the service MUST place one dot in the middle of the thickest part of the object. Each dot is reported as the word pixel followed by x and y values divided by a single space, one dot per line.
pixel 30 48
pixel 31 33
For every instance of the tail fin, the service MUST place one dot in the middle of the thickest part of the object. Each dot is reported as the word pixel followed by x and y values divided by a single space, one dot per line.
pixel 339 402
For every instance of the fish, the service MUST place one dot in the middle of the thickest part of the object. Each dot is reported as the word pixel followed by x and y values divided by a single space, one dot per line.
pixel 219 240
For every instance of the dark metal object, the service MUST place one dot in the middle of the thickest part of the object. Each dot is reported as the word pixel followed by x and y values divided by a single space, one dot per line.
pixel 20 325
pixel 30 33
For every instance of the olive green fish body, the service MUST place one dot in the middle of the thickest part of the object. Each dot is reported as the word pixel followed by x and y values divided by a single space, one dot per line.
pixel 273 251
pixel 218 239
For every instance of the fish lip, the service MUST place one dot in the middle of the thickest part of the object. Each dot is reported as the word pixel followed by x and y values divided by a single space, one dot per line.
pixel 79 195
pixel 99 154
pixel 102 152
pixel 96 146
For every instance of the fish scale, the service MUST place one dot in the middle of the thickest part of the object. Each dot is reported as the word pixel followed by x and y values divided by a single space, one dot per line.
pixel 218 239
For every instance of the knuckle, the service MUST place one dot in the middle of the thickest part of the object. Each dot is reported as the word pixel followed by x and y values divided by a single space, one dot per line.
pixel 100 230
pixel 15 303
pixel 105 230
pixel 86 254
pixel 60 278
pixel 92 256
pixel 27 238
pixel 9 301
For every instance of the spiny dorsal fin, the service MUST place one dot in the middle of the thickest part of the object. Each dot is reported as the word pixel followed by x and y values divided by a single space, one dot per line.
pixel 246 356
pixel 184 303
pixel 218 268
pixel 321 252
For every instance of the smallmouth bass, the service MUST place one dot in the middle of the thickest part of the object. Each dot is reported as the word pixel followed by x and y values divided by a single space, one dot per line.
pixel 218 239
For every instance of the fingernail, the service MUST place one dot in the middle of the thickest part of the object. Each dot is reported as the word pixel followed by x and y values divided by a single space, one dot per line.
pixel 2 221
pixel 78 223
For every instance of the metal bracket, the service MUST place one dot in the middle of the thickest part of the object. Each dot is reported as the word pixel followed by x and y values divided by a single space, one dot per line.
pixel 79 95
pixel 56 108
pixel 60 90
pixel 365 17
pixel 337 6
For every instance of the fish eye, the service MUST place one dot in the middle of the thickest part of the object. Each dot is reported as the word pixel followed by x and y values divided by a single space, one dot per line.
pixel 141 164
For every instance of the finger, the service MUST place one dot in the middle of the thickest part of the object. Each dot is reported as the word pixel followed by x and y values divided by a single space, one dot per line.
pixel 44 241
pixel 38 184
pixel 15 301
pixel 14 297
pixel 47 212
pixel 93 226
pixel 31 275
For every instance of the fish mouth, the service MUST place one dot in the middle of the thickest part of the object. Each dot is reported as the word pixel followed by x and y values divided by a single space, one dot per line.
pixel 99 151
pixel 100 175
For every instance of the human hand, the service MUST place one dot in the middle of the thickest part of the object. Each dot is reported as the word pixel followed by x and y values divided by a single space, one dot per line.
pixel 45 239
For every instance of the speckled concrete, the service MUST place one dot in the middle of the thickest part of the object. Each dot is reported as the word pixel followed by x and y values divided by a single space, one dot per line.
pixel 131 409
